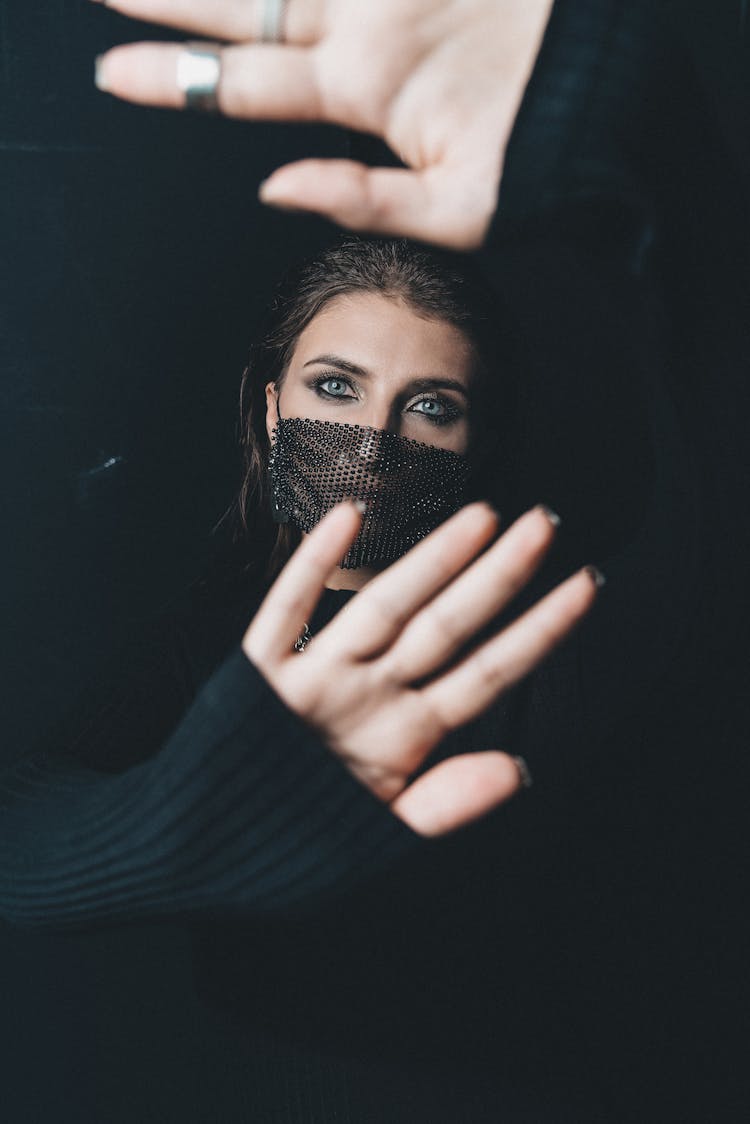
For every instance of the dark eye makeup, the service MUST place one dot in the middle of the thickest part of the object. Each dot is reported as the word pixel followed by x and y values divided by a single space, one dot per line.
pixel 435 408
pixel 333 386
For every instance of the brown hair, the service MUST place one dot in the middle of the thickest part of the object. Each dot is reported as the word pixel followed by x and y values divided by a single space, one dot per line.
pixel 434 283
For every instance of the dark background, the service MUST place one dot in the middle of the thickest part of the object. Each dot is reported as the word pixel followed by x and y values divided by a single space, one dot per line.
pixel 135 262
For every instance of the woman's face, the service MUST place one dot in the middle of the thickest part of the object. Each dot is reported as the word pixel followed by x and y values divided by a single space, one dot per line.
pixel 371 360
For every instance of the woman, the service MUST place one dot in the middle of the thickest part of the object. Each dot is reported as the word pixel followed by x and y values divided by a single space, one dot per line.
pixel 384 370
pixel 390 344
pixel 281 777
pixel 596 180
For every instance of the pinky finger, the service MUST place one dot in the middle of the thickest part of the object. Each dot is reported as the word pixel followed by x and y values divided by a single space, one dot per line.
pixel 457 792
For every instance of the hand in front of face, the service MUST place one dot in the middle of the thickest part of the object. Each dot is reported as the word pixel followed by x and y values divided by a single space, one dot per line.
pixel 439 80
pixel 382 685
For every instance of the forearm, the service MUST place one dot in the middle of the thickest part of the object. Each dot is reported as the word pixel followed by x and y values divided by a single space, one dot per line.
pixel 243 809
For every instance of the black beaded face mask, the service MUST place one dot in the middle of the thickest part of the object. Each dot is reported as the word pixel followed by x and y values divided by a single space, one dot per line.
pixel 408 487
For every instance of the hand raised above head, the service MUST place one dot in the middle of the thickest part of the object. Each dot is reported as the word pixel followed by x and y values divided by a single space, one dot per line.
pixel 439 81
pixel 386 680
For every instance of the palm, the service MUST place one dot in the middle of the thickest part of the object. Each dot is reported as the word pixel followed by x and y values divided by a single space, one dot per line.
pixel 382 730
pixel 439 80
pixel 389 677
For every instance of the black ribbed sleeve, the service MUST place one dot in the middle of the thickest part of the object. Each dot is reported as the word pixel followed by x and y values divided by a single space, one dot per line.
pixel 243 809
pixel 588 97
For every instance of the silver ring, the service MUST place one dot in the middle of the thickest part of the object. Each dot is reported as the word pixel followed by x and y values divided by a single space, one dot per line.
pixel 273 21
pixel 199 74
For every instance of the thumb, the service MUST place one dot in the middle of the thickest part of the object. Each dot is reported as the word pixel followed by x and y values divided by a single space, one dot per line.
pixel 458 791
pixel 393 201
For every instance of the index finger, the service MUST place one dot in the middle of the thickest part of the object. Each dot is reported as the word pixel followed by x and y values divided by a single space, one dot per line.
pixel 298 588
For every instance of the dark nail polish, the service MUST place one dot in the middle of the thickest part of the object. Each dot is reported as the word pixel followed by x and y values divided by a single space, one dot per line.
pixel 553 517
pixel 524 772
pixel 596 576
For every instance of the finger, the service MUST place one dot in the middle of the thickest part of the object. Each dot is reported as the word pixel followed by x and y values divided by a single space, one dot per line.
pixel 457 792
pixel 473 685
pixel 265 83
pixel 377 615
pixel 230 20
pixel 295 593
pixel 413 204
pixel 470 603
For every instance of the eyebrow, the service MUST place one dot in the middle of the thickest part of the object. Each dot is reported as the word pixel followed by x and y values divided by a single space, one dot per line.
pixel 437 383
pixel 342 364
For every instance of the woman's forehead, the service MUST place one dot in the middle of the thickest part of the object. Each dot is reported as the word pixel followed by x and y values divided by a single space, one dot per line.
pixel 385 336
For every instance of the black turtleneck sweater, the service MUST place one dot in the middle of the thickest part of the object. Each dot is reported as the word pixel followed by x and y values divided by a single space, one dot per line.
pixel 574 956
pixel 158 799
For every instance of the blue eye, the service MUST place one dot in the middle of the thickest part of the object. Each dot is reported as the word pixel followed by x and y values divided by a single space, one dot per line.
pixel 431 407
pixel 435 410
pixel 332 386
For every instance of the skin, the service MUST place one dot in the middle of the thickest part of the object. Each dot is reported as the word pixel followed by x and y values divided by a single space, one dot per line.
pixel 390 676
pixel 440 81
pixel 404 361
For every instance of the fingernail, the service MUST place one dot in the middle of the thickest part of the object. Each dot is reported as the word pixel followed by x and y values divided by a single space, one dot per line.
pixel 361 506
pixel 268 193
pixel 100 80
pixel 553 517
pixel 523 772
pixel 484 505
pixel 265 192
pixel 596 576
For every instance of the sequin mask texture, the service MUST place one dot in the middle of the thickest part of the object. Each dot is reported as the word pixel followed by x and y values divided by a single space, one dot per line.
pixel 408 487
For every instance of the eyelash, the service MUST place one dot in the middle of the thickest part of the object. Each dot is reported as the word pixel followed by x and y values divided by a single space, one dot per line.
pixel 319 383
pixel 452 412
